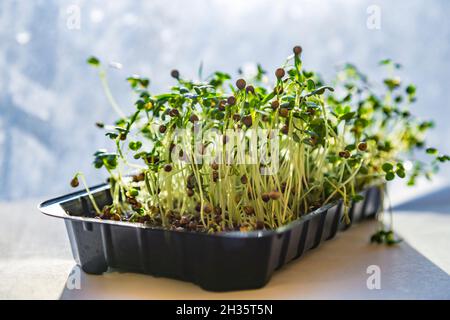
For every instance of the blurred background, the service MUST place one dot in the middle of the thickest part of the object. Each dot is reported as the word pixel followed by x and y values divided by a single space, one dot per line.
pixel 50 98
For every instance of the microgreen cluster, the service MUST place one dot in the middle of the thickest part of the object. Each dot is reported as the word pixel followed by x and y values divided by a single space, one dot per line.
pixel 325 143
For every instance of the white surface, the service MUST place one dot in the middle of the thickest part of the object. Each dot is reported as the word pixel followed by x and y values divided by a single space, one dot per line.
pixel 35 262
pixel 433 243
pixel 424 222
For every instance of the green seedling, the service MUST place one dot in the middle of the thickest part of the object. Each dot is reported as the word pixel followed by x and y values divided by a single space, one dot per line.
pixel 333 141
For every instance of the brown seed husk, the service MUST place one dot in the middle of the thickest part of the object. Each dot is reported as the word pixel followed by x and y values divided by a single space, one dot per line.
pixel 74 183
pixel 207 208
pixel 231 100
pixel 362 146
pixel 297 50
pixel 249 210
pixel 240 84
pixel 284 112
pixel 279 73
pixel 275 104
pixel 193 118
pixel 265 197
pixel 247 120
pixel 274 195
pixel 175 74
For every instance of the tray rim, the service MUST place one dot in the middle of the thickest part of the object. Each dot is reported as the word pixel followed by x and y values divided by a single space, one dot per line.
pixel 53 208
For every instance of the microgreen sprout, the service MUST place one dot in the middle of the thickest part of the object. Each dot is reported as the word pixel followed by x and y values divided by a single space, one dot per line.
pixel 75 183
pixel 306 144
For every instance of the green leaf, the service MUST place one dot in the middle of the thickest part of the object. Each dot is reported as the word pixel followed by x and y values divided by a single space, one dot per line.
pixel 307 141
pixel 348 116
pixel 411 89
pixel 308 74
pixel 385 62
pixel 133 192
pixel 390 238
pixel 139 155
pixel 136 81
pixel 392 83
pixel 350 147
pixel 364 170
pixel 135 145
pixel 111 135
pixel 443 158
pixel 432 151
pixel 310 84
pixel 93 61
pixel 268 97
pixel 387 167
pixel 110 161
pixel 321 90
pixel 341 110
pixel 390 176
pixel 400 173
pixel 400 166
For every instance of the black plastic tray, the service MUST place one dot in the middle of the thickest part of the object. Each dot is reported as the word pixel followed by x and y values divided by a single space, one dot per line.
pixel 216 262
